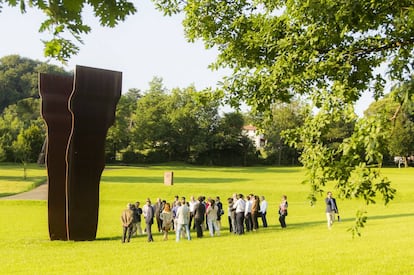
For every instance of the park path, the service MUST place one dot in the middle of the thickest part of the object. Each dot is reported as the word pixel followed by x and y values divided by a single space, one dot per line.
pixel 38 193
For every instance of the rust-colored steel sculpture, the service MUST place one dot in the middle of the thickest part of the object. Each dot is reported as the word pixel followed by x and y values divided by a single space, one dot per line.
pixel 55 91
pixel 91 106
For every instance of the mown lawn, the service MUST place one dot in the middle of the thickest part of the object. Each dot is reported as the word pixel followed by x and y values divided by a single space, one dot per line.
pixel 12 179
pixel 306 247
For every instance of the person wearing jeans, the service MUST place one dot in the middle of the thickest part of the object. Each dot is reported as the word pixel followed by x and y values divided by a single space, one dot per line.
pixel 183 218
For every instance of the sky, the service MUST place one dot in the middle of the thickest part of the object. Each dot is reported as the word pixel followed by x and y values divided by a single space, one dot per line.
pixel 146 45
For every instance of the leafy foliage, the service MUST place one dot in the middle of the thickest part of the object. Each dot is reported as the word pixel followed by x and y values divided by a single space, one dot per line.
pixel 19 78
pixel 329 51
pixel 64 20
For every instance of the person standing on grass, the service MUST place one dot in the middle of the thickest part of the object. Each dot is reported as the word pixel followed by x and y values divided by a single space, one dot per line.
pixel 248 213
pixel 148 212
pixel 174 208
pixel 283 212
pixel 331 209
pixel 211 214
pixel 183 218
pixel 263 211
pixel 127 219
pixel 139 213
pixel 231 215
pixel 158 209
pixel 199 213
pixel 255 212
pixel 220 211
pixel 134 220
pixel 167 219
pixel 239 207
pixel 192 205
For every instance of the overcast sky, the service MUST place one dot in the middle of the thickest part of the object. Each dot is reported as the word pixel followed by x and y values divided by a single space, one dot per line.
pixel 147 44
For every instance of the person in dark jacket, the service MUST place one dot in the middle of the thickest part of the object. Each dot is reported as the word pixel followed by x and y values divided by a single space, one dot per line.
pixel 148 212
pixel 158 207
pixel 137 212
pixel 331 209
pixel 199 214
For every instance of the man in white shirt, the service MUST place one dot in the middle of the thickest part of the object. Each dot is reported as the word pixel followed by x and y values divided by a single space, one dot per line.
pixel 193 202
pixel 183 217
pixel 240 207
pixel 248 214
pixel 263 209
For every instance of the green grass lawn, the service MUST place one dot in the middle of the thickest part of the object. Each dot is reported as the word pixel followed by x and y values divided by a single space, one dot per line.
pixel 12 178
pixel 306 247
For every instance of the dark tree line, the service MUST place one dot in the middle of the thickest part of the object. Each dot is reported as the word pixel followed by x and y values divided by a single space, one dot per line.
pixel 151 126
pixel 184 124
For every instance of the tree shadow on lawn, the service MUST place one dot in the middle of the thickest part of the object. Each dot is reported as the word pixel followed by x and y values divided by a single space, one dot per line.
pixel 323 222
pixel 224 169
pixel 177 180
pixel 262 169
pixel 11 178
pixel 270 229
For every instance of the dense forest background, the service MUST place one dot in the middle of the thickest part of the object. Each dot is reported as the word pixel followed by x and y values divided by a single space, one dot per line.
pixel 181 124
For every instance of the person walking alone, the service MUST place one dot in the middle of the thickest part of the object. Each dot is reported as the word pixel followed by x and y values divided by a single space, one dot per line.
pixel 331 209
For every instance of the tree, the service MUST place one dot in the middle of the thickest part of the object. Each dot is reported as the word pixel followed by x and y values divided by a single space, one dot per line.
pixel 228 144
pixel 151 128
pixel 284 116
pixel 192 116
pixel 10 126
pixel 328 51
pixel 28 144
pixel 119 135
pixel 64 20
pixel 397 112
pixel 19 78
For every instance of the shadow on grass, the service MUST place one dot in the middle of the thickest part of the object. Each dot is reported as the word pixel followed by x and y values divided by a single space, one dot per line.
pixel 370 217
pixel 143 236
pixel 224 169
pixel 270 229
pixel 6 194
pixel 177 180
pixel 13 178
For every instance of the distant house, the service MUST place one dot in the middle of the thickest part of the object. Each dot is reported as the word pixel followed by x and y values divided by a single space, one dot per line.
pixel 257 138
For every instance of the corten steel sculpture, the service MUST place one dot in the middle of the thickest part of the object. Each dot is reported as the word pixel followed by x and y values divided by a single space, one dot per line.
pixel 78 112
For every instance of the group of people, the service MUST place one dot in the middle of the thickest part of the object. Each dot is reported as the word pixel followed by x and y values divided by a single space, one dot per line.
pixel 203 214
pixel 243 213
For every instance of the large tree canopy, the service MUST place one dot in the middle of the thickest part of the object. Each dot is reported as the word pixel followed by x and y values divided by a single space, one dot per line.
pixel 327 50
pixel 280 48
